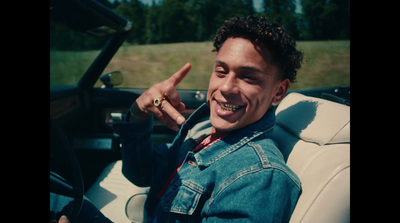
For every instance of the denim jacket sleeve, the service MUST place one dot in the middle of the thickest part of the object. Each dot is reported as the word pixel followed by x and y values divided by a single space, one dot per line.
pixel 137 155
pixel 268 195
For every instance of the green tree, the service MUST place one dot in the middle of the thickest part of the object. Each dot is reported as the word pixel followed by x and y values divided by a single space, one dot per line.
pixel 327 19
pixel 209 15
pixel 203 14
pixel 283 12
pixel 135 11
pixel 231 8
pixel 191 20
pixel 153 24
pixel 175 24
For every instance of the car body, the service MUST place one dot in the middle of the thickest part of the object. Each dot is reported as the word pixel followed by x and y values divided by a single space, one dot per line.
pixel 86 113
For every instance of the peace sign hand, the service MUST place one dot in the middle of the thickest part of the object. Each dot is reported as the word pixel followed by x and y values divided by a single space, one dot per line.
pixel 170 105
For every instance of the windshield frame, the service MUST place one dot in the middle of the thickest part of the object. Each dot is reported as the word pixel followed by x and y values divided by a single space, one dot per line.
pixel 92 17
pixel 99 64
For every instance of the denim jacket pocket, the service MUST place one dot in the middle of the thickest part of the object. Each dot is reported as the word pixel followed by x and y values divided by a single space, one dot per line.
pixel 180 199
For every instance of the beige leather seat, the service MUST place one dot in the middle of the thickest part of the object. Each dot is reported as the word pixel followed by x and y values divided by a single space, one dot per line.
pixel 314 136
pixel 111 193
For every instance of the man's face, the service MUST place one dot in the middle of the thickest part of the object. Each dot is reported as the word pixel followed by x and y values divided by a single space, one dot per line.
pixel 243 85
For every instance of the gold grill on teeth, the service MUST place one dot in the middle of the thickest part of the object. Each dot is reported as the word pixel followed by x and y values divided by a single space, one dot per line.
pixel 229 107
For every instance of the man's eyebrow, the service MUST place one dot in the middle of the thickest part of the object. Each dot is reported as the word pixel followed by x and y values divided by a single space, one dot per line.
pixel 220 62
pixel 251 68
pixel 242 67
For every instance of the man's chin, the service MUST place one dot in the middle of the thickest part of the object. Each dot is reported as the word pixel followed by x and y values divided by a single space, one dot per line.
pixel 224 126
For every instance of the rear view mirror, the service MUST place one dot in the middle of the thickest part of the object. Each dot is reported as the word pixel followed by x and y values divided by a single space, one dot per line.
pixel 111 79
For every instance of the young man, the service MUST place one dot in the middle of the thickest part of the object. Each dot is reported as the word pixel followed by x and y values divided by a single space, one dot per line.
pixel 222 166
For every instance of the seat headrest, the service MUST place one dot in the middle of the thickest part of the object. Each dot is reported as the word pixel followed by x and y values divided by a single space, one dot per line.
pixel 313 119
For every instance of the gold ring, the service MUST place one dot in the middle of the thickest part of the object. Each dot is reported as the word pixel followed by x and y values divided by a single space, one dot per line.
pixel 157 101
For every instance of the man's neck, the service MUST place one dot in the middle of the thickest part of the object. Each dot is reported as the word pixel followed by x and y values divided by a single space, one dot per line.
pixel 215 134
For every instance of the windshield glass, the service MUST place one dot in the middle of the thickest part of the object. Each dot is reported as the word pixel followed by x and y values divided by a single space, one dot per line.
pixel 144 65
pixel 166 35
pixel 71 53
pixel 326 64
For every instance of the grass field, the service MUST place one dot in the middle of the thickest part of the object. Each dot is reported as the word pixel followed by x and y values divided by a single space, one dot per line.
pixel 327 63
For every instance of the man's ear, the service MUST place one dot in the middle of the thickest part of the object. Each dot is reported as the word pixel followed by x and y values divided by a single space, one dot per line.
pixel 281 91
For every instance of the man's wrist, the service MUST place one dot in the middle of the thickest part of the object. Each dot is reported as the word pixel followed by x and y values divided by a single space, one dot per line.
pixel 135 114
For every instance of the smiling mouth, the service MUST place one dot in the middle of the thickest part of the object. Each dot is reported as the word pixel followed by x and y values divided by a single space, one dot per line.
pixel 229 107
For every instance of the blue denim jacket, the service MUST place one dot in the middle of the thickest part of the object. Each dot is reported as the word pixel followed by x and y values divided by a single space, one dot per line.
pixel 240 178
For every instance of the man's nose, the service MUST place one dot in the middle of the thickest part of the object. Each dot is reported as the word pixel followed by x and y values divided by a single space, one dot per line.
pixel 230 85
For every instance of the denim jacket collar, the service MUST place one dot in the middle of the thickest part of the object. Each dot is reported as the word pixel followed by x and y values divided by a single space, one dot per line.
pixel 233 141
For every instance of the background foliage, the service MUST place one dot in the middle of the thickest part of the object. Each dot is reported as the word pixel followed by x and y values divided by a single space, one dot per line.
pixel 197 20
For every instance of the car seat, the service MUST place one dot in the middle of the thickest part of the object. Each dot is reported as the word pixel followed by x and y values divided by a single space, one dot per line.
pixel 111 193
pixel 314 137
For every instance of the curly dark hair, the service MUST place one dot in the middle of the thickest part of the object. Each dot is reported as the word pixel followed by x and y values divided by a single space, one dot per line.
pixel 262 32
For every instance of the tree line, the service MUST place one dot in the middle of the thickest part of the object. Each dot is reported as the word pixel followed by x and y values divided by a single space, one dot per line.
pixel 198 20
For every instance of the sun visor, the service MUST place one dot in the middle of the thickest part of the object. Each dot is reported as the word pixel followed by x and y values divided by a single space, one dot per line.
pixel 88 16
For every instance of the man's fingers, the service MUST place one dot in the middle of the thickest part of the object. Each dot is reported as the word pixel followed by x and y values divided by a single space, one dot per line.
pixel 165 118
pixel 63 219
pixel 168 111
pixel 181 107
pixel 177 77
pixel 168 121
pixel 167 108
pixel 170 115
pixel 173 96
pixel 169 87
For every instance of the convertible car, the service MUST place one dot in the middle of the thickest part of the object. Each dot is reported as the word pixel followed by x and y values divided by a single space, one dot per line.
pixel 313 131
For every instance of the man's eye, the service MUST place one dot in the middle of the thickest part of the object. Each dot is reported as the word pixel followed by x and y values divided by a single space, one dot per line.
pixel 221 71
pixel 248 76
